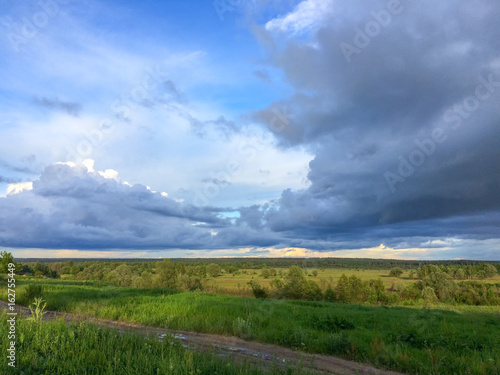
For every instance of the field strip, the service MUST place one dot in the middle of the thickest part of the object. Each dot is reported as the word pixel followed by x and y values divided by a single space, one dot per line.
pixel 229 346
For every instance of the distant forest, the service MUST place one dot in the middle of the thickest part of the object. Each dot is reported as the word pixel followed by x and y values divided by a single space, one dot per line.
pixel 257 263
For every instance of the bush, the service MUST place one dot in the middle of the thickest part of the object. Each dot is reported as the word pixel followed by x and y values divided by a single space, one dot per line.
pixel 396 272
pixel 32 292
pixel 258 291
pixel 330 295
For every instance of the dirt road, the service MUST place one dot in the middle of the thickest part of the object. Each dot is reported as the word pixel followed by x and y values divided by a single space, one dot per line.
pixel 232 347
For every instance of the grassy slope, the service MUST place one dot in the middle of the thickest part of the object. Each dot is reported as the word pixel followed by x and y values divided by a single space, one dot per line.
pixel 58 348
pixel 413 340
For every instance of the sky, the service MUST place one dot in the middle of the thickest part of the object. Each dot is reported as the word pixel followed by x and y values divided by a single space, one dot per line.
pixel 265 128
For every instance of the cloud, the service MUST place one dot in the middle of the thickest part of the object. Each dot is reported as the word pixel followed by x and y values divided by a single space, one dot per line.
pixel 403 133
pixel 307 15
pixel 70 108
pixel 76 207
pixel 263 76
pixel 16 188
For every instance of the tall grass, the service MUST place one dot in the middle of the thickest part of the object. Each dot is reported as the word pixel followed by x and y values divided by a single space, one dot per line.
pixel 411 340
pixel 59 348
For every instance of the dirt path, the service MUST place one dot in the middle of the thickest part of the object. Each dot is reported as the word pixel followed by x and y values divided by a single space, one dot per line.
pixel 233 347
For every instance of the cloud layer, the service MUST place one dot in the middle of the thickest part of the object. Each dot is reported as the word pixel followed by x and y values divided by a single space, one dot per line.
pixel 394 104
pixel 404 126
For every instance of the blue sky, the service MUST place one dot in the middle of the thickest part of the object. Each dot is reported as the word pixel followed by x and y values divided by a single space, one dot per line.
pixel 269 128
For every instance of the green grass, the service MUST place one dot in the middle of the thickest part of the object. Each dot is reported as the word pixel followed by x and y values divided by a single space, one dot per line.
pixel 238 282
pixel 439 340
pixel 59 348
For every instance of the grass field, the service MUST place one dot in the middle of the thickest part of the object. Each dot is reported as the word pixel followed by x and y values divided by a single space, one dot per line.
pixel 60 348
pixel 438 340
pixel 237 284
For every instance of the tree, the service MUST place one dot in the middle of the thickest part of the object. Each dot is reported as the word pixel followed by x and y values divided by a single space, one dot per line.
pixel 428 295
pixel 192 283
pixel 213 270
pixel 121 275
pixel 396 272
pixel 342 289
pixel 6 259
pixel 167 276
pixel 295 283
pixel 460 274
pixel 181 268
pixel 489 270
pixel 265 273
pixel 312 291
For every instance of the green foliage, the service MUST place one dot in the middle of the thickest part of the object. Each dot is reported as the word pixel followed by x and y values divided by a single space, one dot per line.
pixel 265 273
pixel 213 270
pixel 330 295
pixel 43 269
pixel 31 293
pixel 5 259
pixel 38 310
pixel 407 340
pixel 242 328
pixel 429 295
pixel 167 276
pixel 396 272
pixel 59 348
pixel 331 323
pixel 192 283
pixel 257 290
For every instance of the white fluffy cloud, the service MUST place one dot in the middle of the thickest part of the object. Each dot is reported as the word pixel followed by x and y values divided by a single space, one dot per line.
pixel 307 15
pixel 19 187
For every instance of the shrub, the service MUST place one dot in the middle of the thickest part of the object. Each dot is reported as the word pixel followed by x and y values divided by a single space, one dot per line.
pixel 32 292
pixel 265 273
pixel 258 290
pixel 330 295
pixel 396 272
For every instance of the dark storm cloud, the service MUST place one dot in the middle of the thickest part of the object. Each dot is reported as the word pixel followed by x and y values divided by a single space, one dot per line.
pixel 77 208
pixel 404 130
pixel 70 108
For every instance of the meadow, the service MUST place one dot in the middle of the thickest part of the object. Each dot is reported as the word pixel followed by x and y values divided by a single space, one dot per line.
pixel 56 347
pixel 237 284
pixel 437 339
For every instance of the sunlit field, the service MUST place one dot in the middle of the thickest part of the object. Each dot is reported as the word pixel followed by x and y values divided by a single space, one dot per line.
pixel 437 339
pixel 238 282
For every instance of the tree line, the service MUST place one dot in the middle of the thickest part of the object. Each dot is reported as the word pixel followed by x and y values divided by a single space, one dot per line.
pixel 451 283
